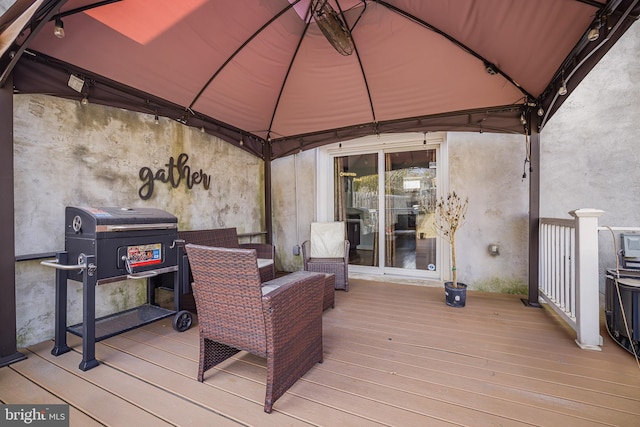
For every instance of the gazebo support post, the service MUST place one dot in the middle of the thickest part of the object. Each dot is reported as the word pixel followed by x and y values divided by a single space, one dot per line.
pixel 534 210
pixel 8 343
pixel 266 149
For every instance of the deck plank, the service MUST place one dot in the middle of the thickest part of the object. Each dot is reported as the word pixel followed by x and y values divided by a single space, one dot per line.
pixel 19 390
pixel 161 403
pixel 393 355
pixel 441 354
pixel 507 399
pixel 229 378
pixel 178 375
pixel 105 407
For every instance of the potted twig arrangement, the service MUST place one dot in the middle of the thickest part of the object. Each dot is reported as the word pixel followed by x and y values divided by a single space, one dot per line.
pixel 449 217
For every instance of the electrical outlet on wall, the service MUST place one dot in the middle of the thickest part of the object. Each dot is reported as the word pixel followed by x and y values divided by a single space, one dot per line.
pixel 296 250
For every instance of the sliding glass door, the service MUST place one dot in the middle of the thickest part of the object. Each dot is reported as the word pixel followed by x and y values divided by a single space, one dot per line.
pixel 389 216
pixel 410 197
pixel 357 201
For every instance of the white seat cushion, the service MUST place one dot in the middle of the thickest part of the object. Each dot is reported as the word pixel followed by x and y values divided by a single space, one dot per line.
pixel 327 239
pixel 269 288
pixel 263 262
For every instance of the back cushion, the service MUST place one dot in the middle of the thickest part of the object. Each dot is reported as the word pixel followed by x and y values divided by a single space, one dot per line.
pixel 327 239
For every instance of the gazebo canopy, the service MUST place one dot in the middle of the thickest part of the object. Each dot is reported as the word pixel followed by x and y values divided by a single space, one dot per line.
pixel 265 73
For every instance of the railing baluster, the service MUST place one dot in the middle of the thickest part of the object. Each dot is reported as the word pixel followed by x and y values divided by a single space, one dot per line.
pixel 564 259
pixel 572 272
pixel 556 246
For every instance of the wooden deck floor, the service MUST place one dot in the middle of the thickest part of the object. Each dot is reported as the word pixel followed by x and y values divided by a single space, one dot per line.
pixel 394 355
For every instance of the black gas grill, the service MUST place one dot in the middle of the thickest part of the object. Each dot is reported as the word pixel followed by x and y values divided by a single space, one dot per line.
pixel 126 242
pixel 111 244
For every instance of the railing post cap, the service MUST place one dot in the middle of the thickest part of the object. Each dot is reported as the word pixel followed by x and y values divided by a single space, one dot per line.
pixel 586 212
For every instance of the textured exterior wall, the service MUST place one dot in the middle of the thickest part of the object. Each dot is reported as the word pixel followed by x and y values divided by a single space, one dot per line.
pixel 5 4
pixel 294 206
pixel 488 169
pixel 589 154
pixel 67 154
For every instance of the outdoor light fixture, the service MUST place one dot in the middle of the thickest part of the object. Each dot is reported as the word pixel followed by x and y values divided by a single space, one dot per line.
pixel 333 27
pixel 523 120
pixel 156 119
pixel 562 91
pixel 58 29
pixel 85 100
pixel 494 249
pixel 594 32
pixel 540 112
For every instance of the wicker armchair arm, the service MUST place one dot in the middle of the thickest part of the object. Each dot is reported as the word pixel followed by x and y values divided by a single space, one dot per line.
pixel 306 250
pixel 293 320
pixel 263 250
pixel 294 305
pixel 347 247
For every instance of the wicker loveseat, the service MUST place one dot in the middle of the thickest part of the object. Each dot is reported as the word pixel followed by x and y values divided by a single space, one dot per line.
pixel 228 238
pixel 280 320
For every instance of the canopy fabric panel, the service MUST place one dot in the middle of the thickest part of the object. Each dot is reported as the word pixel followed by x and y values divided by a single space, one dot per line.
pixel 262 75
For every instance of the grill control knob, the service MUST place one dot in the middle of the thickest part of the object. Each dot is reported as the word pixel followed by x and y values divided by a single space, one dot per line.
pixel 77 224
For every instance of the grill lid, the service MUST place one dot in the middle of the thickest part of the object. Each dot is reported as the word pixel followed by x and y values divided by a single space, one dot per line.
pixel 86 220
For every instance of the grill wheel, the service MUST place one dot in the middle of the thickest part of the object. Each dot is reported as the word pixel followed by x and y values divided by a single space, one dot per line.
pixel 182 321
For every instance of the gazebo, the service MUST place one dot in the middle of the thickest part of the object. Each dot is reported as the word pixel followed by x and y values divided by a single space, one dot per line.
pixel 277 77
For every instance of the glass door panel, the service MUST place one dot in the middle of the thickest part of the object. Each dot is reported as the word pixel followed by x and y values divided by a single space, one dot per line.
pixel 402 235
pixel 356 201
pixel 410 197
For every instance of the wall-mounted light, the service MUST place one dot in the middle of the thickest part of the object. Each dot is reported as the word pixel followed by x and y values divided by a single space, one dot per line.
pixel 594 32
pixel 494 249
pixel 156 119
pixel 562 90
pixel 58 29
pixel 85 100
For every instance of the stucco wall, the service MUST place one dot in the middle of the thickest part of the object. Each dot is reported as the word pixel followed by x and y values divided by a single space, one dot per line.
pixel 486 167
pixel 294 205
pixel 589 149
pixel 67 154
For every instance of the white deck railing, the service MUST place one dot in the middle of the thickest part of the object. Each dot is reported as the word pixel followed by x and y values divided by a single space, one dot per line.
pixel 569 272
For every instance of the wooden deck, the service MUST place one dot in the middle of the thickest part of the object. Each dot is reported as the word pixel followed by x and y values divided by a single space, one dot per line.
pixel 394 355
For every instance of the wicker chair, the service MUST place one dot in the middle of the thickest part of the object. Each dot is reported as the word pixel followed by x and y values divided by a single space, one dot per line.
pixel 327 251
pixel 280 320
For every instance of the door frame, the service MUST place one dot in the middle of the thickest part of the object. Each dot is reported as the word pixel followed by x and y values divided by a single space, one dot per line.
pixel 383 144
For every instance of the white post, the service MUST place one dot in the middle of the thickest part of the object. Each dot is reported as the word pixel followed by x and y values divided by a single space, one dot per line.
pixel 587 279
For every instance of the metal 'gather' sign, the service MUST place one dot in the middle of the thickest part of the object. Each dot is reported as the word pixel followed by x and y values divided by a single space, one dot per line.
pixel 176 171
